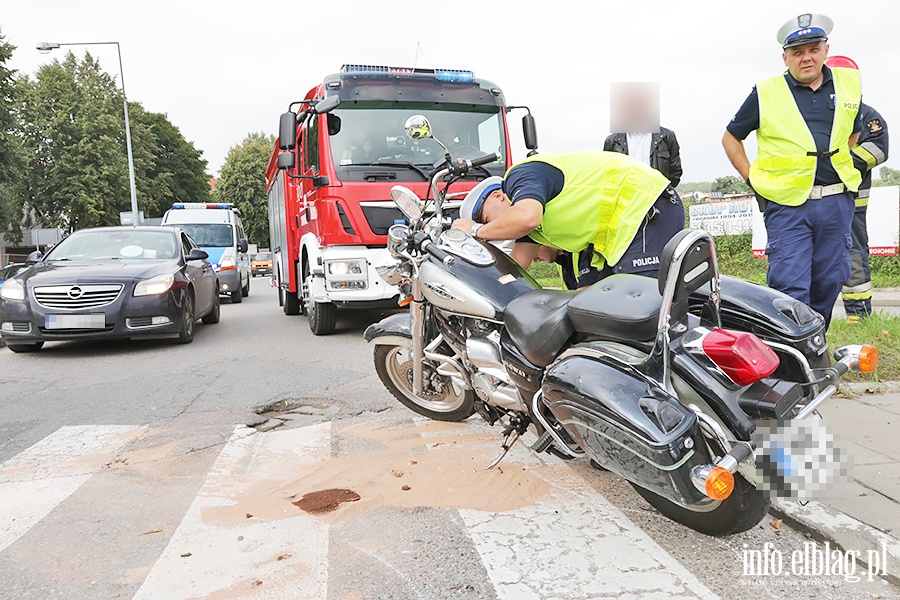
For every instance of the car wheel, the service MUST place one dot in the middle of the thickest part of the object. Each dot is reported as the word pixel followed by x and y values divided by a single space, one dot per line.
pixel 25 347
pixel 245 291
pixel 212 317
pixel 237 296
pixel 186 335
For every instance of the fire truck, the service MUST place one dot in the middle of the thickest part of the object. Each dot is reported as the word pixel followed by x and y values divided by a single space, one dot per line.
pixel 339 152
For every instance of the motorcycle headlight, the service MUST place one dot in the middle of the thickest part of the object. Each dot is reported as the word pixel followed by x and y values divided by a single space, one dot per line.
pixel 154 286
pixel 393 272
pixel 12 290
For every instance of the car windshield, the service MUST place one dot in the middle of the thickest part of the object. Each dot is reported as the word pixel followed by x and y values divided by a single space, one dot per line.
pixel 263 256
pixel 210 235
pixel 372 133
pixel 115 245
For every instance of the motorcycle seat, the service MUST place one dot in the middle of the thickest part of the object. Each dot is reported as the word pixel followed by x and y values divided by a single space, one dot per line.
pixel 538 325
pixel 623 308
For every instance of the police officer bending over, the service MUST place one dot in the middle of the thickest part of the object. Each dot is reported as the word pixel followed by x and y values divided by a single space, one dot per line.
pixel 614 208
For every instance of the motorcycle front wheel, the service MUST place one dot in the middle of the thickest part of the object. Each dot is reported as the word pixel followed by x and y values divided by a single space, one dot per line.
pixel 742 510
pixel 441 400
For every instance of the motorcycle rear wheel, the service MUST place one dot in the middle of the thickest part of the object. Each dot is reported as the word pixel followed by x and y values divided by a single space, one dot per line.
pixel 446 403
pixel 742 510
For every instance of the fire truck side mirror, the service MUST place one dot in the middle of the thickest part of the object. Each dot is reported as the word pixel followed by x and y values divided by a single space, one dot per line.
pixel 287 132
pixel 529 130
pixel 286 160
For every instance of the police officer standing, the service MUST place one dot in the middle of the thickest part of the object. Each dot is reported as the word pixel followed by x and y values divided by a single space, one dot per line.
pixel 870 151
pixel 804 177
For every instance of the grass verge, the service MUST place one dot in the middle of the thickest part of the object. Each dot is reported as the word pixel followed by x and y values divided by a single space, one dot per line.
pixel 882 330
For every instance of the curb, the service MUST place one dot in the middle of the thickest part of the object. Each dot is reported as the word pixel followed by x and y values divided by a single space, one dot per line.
pixel 849 534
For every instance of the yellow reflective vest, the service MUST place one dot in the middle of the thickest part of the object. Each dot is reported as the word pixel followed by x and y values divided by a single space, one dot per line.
pixel 785 167
pixel 603 202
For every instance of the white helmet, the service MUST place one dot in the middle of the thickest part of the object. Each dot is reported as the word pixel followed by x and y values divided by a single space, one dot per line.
pixel 471 206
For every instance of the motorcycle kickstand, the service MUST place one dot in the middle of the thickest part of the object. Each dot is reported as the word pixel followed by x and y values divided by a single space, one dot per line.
pixel 511 438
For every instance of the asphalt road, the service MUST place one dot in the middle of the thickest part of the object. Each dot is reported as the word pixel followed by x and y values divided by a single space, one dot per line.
pixel 127 471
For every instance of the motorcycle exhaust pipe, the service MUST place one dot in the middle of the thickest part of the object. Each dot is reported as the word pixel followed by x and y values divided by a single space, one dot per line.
pixel 717 481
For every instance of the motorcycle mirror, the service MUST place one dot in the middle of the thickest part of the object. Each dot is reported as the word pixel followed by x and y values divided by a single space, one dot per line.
pixel 418 127
pixel 407 201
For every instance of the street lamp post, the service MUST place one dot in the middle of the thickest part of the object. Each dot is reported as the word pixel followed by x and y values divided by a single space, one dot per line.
pixel 46 47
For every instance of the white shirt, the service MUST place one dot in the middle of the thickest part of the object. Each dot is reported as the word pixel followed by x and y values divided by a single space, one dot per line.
pixel 639 146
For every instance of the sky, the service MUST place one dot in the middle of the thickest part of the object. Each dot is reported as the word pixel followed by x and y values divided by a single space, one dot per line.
pixel 225 68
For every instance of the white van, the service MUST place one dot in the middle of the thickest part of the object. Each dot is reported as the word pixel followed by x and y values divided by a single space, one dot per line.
pixel 217 228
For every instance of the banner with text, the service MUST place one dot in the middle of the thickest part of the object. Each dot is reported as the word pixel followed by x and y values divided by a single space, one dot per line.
pixel 882 223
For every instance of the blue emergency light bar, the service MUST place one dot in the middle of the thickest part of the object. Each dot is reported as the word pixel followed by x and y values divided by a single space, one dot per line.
pixel 450 75
pixel 183 205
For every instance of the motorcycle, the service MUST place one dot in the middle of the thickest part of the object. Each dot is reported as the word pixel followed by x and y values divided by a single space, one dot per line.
pixel 683 385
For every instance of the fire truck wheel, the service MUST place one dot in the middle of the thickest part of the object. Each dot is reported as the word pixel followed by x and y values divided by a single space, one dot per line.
pixel 290 303
pixel 322 316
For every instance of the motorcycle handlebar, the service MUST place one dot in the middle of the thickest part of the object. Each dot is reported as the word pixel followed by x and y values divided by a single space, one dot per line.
pixel 436 251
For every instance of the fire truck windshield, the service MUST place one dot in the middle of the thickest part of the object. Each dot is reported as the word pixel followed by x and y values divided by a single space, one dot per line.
pixel 365 135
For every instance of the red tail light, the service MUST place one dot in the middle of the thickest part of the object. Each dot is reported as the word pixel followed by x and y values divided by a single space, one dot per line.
pixel 742 356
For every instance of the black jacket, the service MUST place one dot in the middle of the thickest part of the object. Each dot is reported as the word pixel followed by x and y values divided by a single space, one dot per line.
pixel 665 155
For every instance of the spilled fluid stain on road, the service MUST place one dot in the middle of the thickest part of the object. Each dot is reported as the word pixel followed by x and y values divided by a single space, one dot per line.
pixel 325 501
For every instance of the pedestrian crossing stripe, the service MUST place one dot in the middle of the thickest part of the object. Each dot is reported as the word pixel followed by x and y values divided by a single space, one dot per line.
pixel 39 478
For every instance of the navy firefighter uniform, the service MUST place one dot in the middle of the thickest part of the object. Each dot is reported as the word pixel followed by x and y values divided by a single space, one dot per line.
pixel 803 174
pixel 870 151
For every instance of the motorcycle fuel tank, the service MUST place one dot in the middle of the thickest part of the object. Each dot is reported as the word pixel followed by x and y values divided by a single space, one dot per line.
pixel 478 291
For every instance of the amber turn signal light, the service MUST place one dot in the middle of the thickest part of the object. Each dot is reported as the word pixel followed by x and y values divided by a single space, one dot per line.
pixel 719 483
pixel 405 301
pixel 868 358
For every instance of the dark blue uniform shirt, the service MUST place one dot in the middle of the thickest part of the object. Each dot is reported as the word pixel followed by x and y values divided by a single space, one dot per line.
pixel 817 109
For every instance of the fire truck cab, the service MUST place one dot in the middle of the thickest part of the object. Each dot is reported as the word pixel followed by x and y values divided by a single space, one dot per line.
pixel 336 159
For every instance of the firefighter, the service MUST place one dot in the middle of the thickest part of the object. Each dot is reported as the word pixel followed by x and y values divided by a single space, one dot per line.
pixel 870 151
pixel 804 177
pixel 617 209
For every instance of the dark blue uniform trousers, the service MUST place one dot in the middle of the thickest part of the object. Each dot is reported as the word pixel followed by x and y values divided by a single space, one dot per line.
pixel 809 249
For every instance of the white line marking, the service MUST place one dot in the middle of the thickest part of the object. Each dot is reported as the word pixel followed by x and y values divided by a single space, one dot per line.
pixel 243 538
pixel 35 481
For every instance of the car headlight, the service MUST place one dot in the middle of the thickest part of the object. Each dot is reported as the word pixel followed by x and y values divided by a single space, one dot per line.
pixel 12 290
pixel 227 263
pixel 153 286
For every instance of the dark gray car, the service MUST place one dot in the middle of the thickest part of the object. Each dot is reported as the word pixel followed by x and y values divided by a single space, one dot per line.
pixel 111 282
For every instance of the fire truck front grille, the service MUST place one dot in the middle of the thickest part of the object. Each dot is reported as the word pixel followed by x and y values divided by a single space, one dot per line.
pixel 380 218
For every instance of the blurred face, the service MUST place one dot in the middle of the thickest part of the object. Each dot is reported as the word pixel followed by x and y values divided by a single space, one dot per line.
pixel 494 206
pixel 805 62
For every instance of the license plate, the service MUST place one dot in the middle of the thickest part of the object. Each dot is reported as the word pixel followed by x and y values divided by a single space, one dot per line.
pixel 75 321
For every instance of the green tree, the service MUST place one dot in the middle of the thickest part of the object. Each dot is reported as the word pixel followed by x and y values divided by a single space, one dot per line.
pixel 179 172
pixel 73 131
pixel 11 157
pixel 243 184
pixel 729 185
pixel 886 176
pixel 694 186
